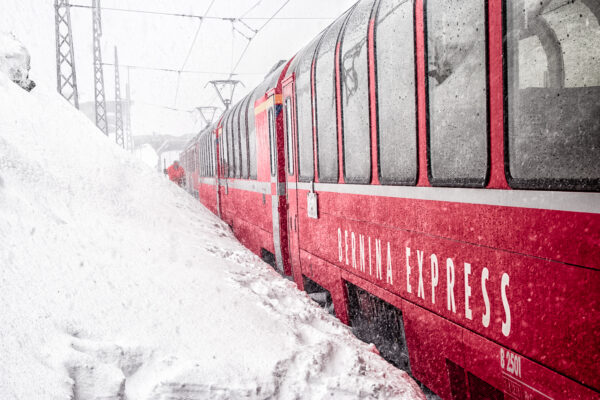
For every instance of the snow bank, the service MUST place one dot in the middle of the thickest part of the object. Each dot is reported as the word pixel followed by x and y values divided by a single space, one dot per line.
pixel 116 284
pixel 15 61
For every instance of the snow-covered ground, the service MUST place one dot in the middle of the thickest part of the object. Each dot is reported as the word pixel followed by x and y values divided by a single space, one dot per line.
pixel 116 284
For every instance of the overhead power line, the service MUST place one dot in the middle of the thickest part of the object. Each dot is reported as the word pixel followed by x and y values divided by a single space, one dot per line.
pixel 184 15
pixel 177 71
pixel 189 53
pixel 255 34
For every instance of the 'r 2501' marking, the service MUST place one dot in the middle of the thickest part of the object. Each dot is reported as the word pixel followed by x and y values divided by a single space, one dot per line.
pixel 510 362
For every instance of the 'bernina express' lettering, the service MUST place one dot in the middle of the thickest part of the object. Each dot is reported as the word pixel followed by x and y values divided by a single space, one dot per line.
pixel 361 256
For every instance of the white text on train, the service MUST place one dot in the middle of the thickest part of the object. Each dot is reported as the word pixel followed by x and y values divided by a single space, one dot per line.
pixel 364 254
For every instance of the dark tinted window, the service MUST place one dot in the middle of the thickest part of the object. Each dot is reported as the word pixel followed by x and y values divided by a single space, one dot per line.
pixel 226 146
pixel 210 155
pixel 306 167
pixel 236 141
pixel 272 142
pixel 198 157
pixel 206 156
pixel 251 138
pixel 397 123
pixel 327 146
pixel 229 145
pixel 456 64
pixel 355 95
pixel 201 158
pixel 221 154
pixel 244 138
pixel 206 162
pixel 554 94
pixel 289 133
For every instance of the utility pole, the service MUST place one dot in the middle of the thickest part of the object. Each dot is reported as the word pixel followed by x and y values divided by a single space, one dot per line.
pixel 119 134
pixel 225 89
pixel 99 97
pixel 210 110
pixel 65 55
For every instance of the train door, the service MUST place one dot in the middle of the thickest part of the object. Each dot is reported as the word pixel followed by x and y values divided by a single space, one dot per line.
pixel 291 167
pixel 217 167
pixel 278 187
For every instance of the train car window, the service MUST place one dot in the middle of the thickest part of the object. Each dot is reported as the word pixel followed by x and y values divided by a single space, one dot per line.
pixel 198 157
pixel 244 138
pixel 205 158
pixel 553 84
pixel 306 162
pixel 396 106
pixel 226 147
pixel 236 141
pixel 210 155
pixel 325 98
pixel 251 138
pixel 204 162
pixel 288 129
pixel 231 142
pixel 238 129
pixel 214 155
pixel 457 92
pixel 272 144
pixel 224 150
pixel 355 95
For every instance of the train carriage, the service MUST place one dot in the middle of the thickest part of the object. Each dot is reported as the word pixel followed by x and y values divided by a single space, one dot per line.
pixel 433 168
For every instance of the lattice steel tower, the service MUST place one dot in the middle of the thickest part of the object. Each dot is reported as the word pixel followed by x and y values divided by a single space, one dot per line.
pixel 119 134
pixel 65 55
pixel 99 97
pixel 129 144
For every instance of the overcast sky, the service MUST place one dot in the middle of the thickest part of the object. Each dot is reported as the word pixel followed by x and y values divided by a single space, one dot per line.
pixel 165 41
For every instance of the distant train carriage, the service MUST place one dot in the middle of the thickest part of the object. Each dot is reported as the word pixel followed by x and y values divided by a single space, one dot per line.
pixel 432 169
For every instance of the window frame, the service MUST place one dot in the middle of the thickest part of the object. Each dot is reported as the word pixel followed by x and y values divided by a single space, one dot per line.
pixel 459 182
pixel 287 106
pixel 341 36
pixel 272 150
pixel 231 147
pixel 311 94
pixel 243 118
pixel 548 184
pixel 314 88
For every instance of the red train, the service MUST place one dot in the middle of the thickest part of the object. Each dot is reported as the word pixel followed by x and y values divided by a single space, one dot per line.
pixel 432 169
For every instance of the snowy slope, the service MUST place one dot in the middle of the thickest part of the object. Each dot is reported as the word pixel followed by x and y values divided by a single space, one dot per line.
pixel 116 284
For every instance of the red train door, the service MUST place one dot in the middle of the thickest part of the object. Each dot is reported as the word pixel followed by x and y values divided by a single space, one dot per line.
pixel 278 187
pixel 218 141
pixel 215 161
pixel 291 167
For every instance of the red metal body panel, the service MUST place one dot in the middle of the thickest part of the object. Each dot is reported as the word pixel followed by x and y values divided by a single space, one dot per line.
pixel 423 179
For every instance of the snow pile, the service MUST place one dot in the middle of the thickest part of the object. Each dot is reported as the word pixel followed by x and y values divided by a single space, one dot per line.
pixel 14 61
pixel 116 284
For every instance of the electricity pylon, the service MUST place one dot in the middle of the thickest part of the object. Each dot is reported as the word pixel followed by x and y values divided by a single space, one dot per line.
pixel 99 97
pixel 65 56
pixel 119 134
pixel 128 132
